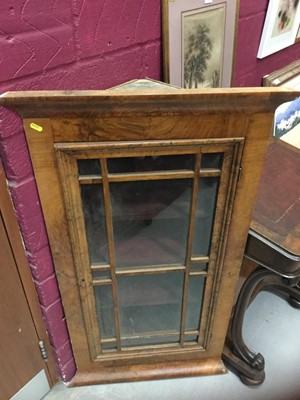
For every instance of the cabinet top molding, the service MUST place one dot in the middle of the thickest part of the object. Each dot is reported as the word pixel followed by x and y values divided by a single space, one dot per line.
pixel 146 101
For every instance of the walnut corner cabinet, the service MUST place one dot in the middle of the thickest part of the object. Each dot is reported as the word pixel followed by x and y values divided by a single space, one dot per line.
pixel 147 193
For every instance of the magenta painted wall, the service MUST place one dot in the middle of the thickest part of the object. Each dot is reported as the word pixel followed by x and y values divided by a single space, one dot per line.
pixel 95 44
pixel 65 44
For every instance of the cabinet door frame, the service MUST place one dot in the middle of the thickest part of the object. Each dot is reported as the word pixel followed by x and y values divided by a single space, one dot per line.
pixel 69 153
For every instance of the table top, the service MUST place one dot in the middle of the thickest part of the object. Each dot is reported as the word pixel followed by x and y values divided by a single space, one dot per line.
pixel 276 214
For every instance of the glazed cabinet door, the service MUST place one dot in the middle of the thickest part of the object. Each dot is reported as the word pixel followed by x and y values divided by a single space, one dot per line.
pixel 148 223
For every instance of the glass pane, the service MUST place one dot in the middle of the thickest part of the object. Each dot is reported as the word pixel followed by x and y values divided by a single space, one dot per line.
pixel 206 204
pixel 108 346
pixel 194 305
pixel 101 274
pixel 150 340
pixel 150 305
pixel 212 160
pixel 95 225
pixel 150 221
pixel 105 310
pixel 150 163
pixel 190 339
pixel 199 266
pixel 89 167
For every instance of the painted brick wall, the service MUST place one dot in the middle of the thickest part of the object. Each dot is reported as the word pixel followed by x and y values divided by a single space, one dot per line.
pixel 95 44
pixel 65 44
pixel 249 70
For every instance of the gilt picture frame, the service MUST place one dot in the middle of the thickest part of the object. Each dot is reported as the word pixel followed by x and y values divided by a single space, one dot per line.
pixel 280 27
pixel 198 42
pixel 288 76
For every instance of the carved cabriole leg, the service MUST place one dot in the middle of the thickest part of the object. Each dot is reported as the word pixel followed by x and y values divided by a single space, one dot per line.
pixel 241 357
pixel 252 285
pixel 294 302
pixel 292 289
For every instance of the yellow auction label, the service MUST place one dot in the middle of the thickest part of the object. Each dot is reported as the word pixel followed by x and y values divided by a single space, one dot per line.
pixel 36 127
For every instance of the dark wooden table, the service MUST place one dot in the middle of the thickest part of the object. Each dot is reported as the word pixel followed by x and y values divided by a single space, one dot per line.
pixel 273 244
pixel 276 216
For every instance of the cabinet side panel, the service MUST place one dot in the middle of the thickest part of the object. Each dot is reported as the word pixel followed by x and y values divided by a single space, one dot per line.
pixel 257 136
pixel 47 177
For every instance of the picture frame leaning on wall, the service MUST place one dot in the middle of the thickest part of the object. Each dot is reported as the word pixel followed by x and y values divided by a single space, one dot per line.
pixel 198 42
pixel 298 35
pixel 289 76
pixel 280 27
pixel 287 115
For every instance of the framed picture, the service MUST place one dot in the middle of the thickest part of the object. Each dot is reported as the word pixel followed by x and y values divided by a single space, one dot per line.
pixel 287 122
pixel 286 76
pixel 198 41
pixel 280 27
pixel 298 35
pixel 287 115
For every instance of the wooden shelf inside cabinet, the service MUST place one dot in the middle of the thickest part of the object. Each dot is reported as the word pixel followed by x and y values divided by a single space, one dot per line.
pixel 137 174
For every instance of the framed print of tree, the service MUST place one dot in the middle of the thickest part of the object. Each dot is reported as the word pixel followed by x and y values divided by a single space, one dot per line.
pixel 198 42
pixel 203 39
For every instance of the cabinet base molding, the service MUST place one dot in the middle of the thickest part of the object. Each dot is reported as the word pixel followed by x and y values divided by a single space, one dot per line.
pixel 144 372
